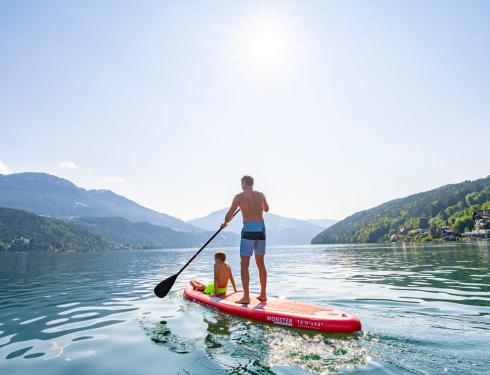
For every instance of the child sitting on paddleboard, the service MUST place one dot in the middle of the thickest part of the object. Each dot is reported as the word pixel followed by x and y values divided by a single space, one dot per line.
pixel 222 274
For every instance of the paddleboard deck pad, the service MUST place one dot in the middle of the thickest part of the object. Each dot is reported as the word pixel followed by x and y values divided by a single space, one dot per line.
pixel 280 312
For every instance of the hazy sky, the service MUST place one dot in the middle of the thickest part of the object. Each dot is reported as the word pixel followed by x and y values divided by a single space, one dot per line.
pixel 334 106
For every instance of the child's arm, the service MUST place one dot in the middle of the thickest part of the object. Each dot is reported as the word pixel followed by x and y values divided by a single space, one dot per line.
pixel 232 280
pixel 215 280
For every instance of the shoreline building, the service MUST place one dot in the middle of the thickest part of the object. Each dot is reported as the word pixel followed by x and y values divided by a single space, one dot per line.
pixel 447 234
pixel 482 225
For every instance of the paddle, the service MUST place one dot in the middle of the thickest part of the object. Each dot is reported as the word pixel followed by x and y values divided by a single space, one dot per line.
pixel 164 287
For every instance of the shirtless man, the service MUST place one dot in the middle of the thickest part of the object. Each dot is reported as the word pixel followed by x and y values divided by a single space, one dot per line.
pixel 252 204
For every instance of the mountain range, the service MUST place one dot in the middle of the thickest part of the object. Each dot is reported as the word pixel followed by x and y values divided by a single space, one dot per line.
pixel 280 230
pixel 450 205
pixel 120 222
pixel 324 223
pixel 56 197
pixel 53 207
pixel 141 234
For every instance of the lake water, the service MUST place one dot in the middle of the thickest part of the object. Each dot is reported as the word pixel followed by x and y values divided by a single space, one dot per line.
pixel 424 310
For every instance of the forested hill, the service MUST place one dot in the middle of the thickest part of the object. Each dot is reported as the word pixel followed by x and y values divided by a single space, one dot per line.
pixel 24 231
pixel 451 205
pixel 20 230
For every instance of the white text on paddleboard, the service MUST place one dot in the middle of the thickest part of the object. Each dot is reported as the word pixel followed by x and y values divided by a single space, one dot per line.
pixel 281 321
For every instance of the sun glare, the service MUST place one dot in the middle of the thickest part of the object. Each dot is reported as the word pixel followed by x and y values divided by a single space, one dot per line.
pixel 267 45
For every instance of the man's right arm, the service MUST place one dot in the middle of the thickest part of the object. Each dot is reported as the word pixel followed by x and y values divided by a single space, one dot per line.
pixel 231 211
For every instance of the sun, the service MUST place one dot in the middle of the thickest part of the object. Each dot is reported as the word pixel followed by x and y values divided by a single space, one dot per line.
pixel 267 44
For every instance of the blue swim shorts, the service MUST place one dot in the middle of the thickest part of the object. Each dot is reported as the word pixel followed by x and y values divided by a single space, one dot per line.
pixel 253 239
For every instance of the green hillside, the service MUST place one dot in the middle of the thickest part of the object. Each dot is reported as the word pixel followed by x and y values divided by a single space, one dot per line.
pixel 24 231
pixel 451 205
pixel 20 230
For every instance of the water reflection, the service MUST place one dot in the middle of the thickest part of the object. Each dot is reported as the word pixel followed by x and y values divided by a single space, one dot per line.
pixel 238 345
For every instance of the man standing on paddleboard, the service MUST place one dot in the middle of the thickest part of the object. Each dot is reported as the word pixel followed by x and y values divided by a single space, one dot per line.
pixel 252 205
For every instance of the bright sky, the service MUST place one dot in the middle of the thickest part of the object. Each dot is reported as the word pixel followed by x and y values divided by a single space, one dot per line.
pixel 333 106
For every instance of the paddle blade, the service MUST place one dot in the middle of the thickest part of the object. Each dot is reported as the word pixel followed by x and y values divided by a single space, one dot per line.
pixel 162 289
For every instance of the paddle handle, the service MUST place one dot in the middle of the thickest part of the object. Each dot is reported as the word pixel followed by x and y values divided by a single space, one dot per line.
pixel 203 246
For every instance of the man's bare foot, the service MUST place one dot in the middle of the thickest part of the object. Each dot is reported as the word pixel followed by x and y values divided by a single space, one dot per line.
pixel 243 301
pixel 262 298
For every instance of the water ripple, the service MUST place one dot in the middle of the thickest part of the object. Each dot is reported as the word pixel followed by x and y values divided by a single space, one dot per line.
pixel 425 309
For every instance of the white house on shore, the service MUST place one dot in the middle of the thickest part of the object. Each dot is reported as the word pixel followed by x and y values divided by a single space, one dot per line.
pixel 482 225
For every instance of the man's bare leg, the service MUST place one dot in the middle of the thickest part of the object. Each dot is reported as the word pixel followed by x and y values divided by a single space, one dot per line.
pixel 244 264
pixel 259 260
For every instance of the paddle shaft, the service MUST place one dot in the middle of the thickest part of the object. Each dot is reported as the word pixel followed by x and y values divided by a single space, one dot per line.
pixel 203 246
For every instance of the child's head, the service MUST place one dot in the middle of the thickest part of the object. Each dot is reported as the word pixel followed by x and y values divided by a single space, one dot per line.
pixel 220 255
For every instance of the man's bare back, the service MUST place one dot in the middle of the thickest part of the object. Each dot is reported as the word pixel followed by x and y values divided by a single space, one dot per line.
pixel 252 204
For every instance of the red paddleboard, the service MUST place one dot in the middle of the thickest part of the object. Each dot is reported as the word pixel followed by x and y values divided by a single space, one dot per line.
pixel 280 312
